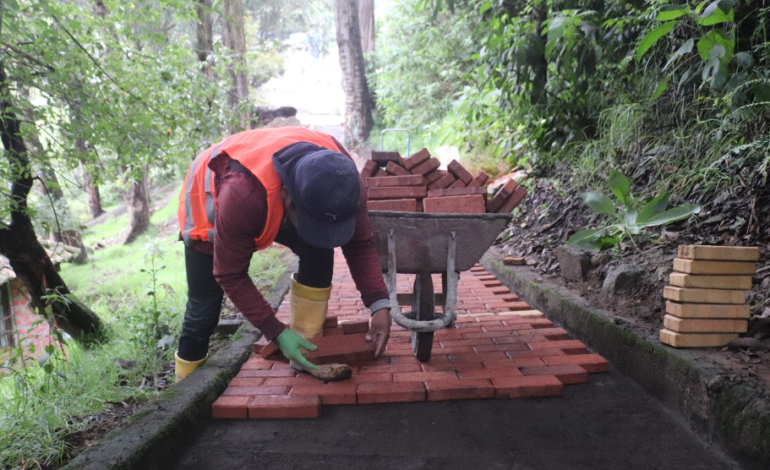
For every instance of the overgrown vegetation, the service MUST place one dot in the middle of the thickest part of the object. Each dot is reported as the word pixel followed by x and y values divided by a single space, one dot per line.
pixel 675 95
pixel 44 403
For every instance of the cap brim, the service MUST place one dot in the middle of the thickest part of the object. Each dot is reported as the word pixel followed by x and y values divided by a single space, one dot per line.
pixel 322 233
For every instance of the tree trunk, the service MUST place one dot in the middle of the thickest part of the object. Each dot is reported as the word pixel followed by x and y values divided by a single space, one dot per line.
pixel 366 23
pixel 93 198
pixel 204 39
pixel 540 66
pixel 358 102
pixel 19 243
pixel 48 184
pixel 138 208
pixel 234 38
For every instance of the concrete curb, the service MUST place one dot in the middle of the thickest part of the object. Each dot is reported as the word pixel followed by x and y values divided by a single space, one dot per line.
pixel 155 436
pixel 736 416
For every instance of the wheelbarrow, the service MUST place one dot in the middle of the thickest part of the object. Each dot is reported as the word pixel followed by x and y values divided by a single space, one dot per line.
pixel 424 244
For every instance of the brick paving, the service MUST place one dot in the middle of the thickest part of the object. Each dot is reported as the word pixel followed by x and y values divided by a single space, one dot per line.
pixel 498 348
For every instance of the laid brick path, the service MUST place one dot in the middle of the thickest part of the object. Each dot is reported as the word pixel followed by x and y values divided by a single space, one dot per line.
pixel 498 348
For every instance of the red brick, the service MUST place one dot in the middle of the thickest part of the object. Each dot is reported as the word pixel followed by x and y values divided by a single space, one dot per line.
pixel 423 376
pixel 333 393
pixel 300 379
pixel 473 204
pixel 443 182
pixel 381 173
pixel 397 192
pixel 346 349
pixel 355 326
pixel 458 184
pixel 260 390
pixel 475 357
pixel 244 382
pixel 532 386
pixel 450 366
pixel 480 180
pixel 330 322
pixel 254 374
pixel 382 158
pixel 426 167
pixel 408 180
pixel 459 390
pixel 338 331
pixel 284 407
pixel 518 362
pixel 592 363
pixel 568 374
pixel 269 350
pixel 505 347
pixel 394 169
pixel 510 340
pixel 257 364
pixel 460 172
pixel 399 205
pixel 230 408
pixel 369 169
pixel 416 158
pixel 553 334
pixel 433 176
pixel 502 195
pixel 513 201
pixel 466 342
pixel 570 346
pixel 489 373
pixel 535 353
pixel 366 378
pixel 455 192
pixel 390 368
pixel 395 392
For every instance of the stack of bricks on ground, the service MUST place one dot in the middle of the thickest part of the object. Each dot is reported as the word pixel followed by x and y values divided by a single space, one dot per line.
pixel 416 184
pixel 497 348
pixel 706 301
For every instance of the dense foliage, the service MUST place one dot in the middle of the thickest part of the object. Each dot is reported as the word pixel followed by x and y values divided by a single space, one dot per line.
pixel 618 84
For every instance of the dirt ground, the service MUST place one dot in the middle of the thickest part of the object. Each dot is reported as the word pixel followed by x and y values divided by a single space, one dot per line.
pixel 549 215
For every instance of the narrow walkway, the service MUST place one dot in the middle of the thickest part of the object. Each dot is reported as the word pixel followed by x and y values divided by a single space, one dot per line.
pixel 497 348
pixel 607 423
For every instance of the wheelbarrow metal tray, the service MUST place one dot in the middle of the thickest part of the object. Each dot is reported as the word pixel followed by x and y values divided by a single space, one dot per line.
pixel 422 238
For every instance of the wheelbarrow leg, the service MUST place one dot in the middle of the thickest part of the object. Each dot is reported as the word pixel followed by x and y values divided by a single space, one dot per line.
pixel 424 307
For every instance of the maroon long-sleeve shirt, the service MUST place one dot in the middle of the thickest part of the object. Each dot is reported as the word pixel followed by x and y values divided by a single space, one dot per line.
pixel 241 215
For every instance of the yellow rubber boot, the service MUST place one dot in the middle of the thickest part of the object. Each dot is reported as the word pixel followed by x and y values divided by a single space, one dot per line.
pixel 308 308
pixel 183 368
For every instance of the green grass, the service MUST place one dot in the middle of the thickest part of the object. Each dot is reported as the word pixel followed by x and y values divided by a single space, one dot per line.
pixel 37 409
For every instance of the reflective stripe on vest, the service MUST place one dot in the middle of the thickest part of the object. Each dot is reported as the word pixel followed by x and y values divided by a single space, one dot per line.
pixel 254 149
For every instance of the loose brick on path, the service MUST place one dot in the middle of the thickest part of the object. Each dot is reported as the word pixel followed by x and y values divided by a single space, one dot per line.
pixel 498 348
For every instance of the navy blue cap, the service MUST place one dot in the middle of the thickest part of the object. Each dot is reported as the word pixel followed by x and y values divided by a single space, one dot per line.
pixel 324 186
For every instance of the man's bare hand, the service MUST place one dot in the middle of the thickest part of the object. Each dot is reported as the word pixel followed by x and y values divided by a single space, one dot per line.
pixel 379 330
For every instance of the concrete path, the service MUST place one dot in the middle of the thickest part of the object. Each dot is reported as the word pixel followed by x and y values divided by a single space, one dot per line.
pixel 609 423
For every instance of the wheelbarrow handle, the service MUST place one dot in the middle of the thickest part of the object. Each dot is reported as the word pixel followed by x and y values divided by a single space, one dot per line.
pixel 450 296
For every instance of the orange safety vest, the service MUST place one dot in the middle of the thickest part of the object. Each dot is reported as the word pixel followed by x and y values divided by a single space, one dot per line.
pixel 254 149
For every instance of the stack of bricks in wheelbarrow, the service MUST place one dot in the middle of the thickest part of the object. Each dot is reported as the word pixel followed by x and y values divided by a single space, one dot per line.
pixel 416 184
pixel 706 301
pixel 498 348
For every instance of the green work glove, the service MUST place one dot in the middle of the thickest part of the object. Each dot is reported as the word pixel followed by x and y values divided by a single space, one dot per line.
pixel 290 344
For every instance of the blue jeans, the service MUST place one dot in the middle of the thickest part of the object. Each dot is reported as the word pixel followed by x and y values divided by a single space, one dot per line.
pixel 204 295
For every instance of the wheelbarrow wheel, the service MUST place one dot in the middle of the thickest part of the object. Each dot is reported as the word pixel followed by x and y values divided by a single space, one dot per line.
pixel 424 309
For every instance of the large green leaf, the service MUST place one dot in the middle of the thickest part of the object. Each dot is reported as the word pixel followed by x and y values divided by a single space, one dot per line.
pixel 672 215
pixel 659 91
pixel 685 48
pixel 585 235
pixel 598 202
pixel 713 14
pixel 653 36
pixel 620 186
pixel 744 59
pixel 631 217
pixel 715 37
pixel 656 206
pixel 671 12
